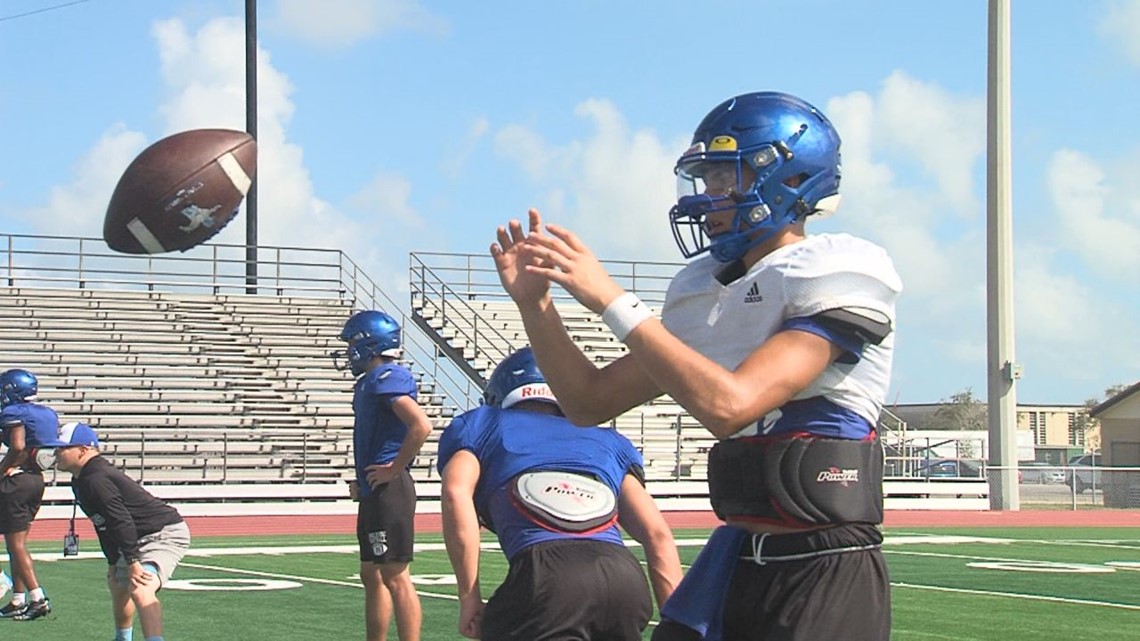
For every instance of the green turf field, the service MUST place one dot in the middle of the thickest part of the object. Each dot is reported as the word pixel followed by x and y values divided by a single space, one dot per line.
pixel 1027 584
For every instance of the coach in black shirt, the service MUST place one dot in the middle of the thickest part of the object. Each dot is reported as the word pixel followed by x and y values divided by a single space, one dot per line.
pixel 142 537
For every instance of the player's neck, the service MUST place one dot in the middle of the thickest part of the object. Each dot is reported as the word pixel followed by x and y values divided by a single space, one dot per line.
pixel 790 235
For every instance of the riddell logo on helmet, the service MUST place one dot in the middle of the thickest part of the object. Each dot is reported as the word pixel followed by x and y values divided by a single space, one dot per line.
pixel 531 391
pixel 836 475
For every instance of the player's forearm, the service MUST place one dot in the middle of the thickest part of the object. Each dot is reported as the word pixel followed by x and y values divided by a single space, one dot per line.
pixel 413 442
pixel 565 367
pixel 664 567
pixel 461 538
pixel 586 394
pixel 640 517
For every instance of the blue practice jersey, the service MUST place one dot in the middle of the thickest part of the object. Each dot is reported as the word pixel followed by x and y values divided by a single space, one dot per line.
pixel 41 423
pixel 510 442
pixel 377 432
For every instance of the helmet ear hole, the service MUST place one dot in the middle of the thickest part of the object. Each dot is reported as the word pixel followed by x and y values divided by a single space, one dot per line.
pixel 797 180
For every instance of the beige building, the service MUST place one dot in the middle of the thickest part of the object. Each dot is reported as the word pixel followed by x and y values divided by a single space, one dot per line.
pixel 1056 432
pixel 1057 425
pixel 1119 419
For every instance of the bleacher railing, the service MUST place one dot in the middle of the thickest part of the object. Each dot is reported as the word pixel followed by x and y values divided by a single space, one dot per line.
pixel 220 269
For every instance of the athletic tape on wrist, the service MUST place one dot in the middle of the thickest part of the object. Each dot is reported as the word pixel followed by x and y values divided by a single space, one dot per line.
pixel 624 314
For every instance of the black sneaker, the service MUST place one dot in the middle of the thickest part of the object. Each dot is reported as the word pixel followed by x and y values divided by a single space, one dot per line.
pixel 34 610
pixel 11 610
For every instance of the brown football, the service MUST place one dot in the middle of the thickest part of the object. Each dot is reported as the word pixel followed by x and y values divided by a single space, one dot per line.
pixel 179 192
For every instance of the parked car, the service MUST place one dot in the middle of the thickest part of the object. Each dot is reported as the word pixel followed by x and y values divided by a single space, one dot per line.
pixel 949 469
pixel 1037 472
pixel 1085 473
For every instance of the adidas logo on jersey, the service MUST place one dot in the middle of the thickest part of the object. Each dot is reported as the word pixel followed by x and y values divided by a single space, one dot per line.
pixel 753 295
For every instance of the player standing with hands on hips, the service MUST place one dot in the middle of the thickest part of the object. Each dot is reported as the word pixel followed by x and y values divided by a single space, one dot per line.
pixel 389 429
pixel 778 342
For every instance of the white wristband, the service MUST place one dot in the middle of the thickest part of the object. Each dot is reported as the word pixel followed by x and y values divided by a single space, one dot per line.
pixel 625 313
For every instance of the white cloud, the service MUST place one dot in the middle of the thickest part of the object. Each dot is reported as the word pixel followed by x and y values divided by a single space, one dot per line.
pixel 77 208
pixel 1096 222
pixel 1121 25
pixel 341 23
pixel 1068 327
pixel 386 197
pixel 931 232
pixel 613 187
pixel 944 133
pixel 454 162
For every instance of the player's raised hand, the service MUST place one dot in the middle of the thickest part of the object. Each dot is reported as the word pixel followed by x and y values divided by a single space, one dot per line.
pixel 522 286
pixel 562 257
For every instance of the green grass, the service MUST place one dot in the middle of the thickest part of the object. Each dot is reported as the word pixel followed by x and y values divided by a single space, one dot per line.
pixel 937 594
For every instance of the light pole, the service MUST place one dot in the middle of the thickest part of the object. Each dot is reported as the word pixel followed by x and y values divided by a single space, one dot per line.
pixel 251 128
pixel 1002 371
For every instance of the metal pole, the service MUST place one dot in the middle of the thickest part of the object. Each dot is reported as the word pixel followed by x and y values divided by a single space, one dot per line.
pixel 251 128
pixel 1002 371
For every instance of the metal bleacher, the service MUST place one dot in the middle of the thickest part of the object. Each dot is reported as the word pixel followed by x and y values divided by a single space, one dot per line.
pixel 191 376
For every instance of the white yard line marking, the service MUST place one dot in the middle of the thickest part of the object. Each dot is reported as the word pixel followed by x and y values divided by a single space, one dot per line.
pixel 296 577
pixel 1015 595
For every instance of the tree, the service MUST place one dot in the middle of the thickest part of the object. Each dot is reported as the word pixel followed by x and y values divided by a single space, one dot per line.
pixel 961 412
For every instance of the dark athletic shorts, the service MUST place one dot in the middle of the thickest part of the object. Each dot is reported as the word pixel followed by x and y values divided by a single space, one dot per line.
pixel 385 521
pixel 570 589
pixel 830 597
pixel 20 497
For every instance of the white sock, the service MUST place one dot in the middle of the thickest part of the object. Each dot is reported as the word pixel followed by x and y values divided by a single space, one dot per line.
pixel 18 598
pixel 37 594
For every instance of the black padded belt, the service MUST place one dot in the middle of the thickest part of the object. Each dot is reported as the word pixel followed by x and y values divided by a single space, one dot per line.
pixel 797 480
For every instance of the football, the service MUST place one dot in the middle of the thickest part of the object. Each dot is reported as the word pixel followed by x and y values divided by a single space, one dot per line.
pixel 181 191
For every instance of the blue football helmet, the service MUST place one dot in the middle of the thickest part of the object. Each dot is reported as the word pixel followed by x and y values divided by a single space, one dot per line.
pixel 369 334
pixel 17 386
pixel 517 379
pixel 769 157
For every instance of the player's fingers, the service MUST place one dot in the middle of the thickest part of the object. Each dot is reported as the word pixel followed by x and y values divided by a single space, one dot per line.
pixel 570 238
pixel 503 237
pixel 516 231
pixel 546 257
pixel 553 244
pixel 535 219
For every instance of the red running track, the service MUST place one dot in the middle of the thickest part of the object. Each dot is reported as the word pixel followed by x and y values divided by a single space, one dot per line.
pixel 53 530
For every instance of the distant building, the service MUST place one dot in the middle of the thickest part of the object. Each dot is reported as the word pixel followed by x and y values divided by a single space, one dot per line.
pixel 1119 419
pixel 1056 432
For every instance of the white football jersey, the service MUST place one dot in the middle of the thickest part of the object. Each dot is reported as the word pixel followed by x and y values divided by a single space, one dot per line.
pixel 726 323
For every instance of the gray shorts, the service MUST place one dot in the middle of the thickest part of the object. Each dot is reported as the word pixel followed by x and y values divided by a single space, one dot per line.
pixel 162 551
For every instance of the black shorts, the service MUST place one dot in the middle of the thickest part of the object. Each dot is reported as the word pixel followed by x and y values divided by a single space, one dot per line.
pixel 833 596
pixel 844 595
pixel 570 589
pixel 385 521
pixel 20 498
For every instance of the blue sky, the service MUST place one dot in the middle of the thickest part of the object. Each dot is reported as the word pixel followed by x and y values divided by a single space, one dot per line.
pixel 387 126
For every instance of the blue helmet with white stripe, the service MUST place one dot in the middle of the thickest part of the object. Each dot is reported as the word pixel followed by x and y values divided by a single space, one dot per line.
pixel 517 379
pixel 369 334
pixel 17 386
